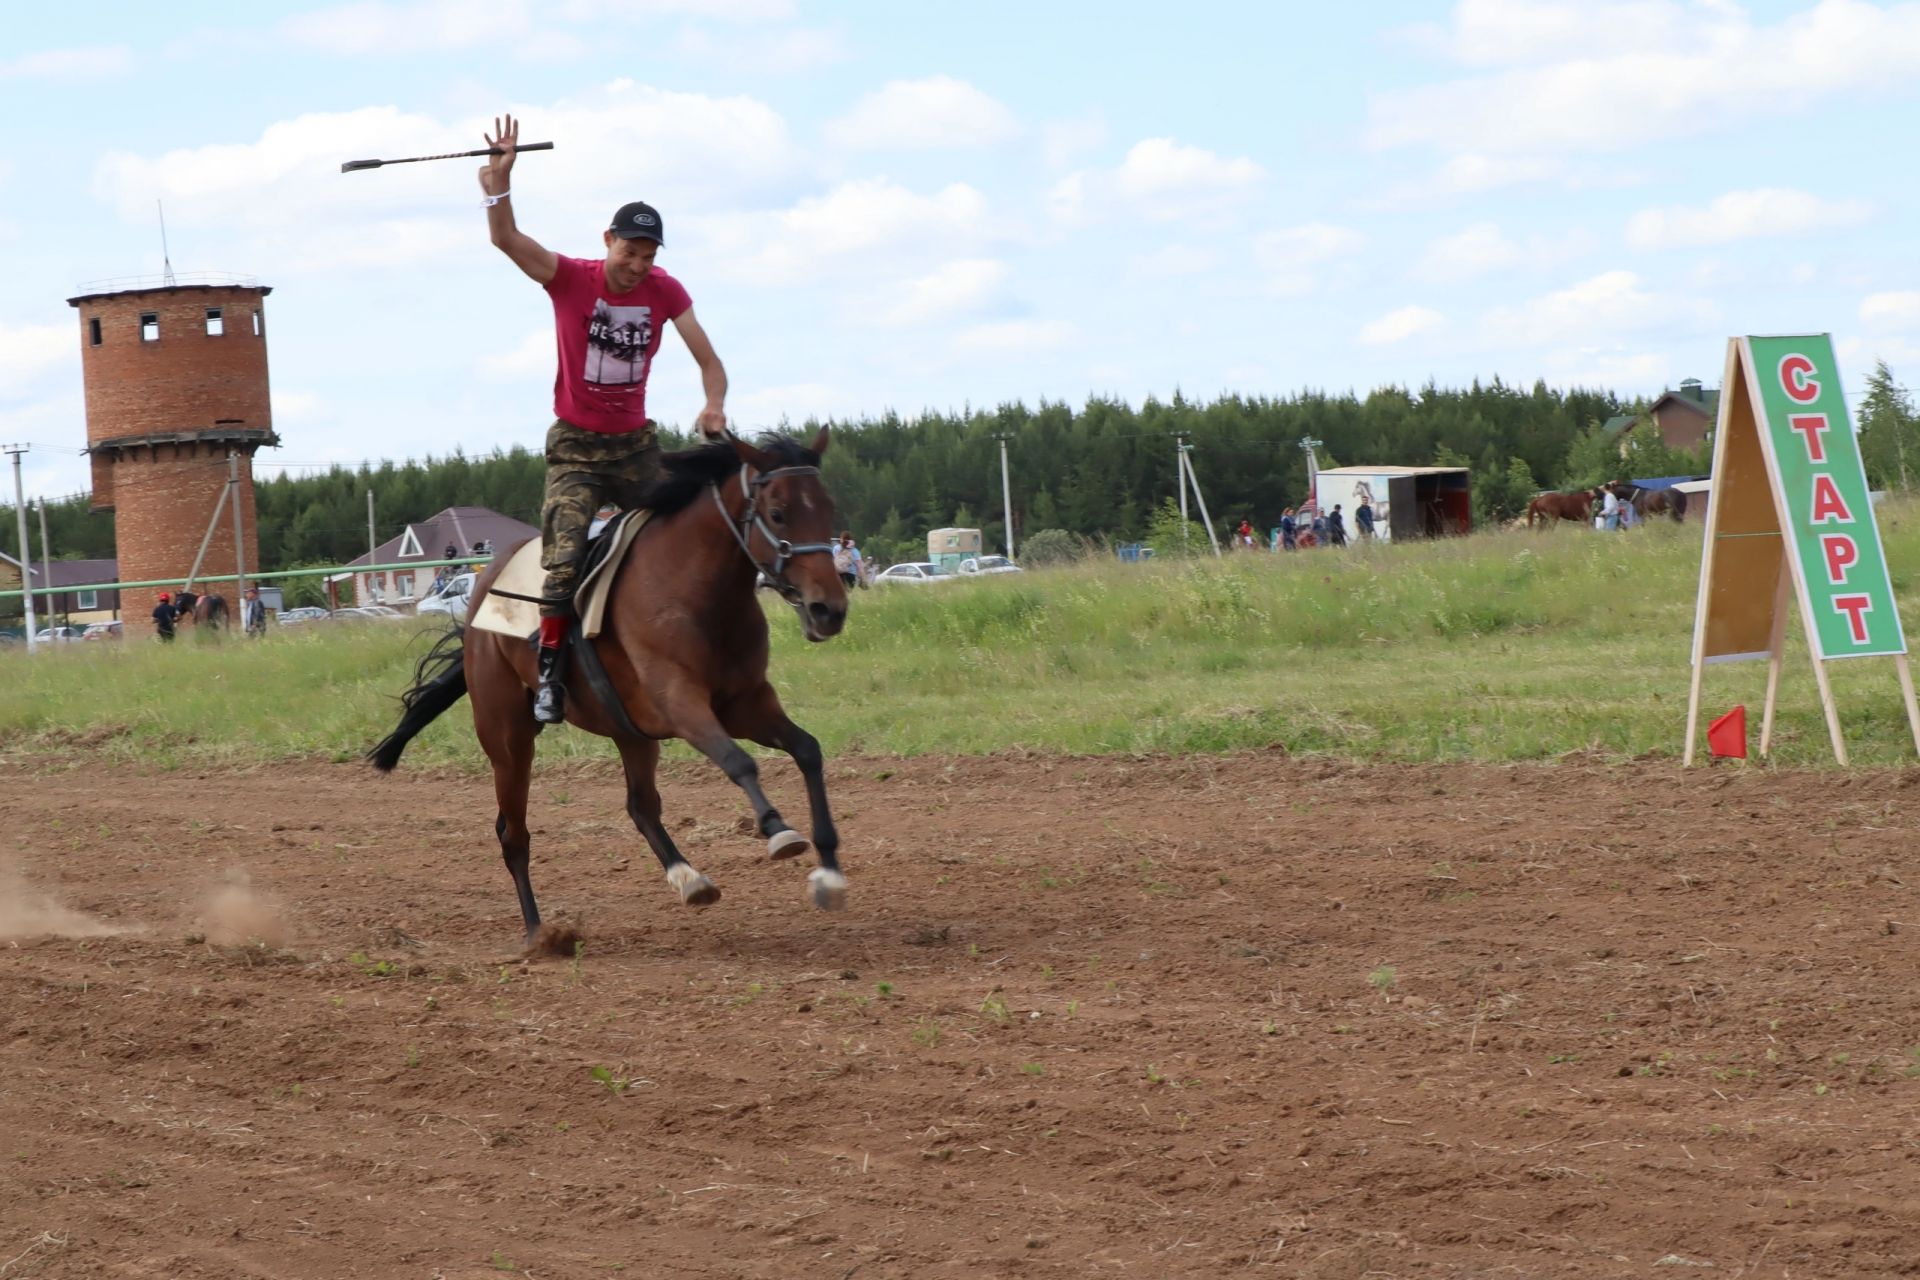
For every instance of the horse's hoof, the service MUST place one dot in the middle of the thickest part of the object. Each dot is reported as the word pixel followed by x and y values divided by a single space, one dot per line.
pixel 829 889
pixel 782 845
pixel 694 889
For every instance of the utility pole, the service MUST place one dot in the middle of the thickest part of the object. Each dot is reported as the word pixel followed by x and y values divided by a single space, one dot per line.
pixel 1180 481
pixel 239 547
pixel 1186 460
pixel 1308 443
pixel 371 558
pixel 26 553
pixel 1006 492
pixel 46 561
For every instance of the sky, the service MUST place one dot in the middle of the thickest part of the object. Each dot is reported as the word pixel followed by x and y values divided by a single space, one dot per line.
pixel 879 206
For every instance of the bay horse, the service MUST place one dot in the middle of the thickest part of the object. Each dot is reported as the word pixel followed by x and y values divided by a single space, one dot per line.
pixel 209 610
pixel 1652 502
pixel 1553 507
pixel 684 649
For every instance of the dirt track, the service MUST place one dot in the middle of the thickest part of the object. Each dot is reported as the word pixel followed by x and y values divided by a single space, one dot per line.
pixel 1189 1017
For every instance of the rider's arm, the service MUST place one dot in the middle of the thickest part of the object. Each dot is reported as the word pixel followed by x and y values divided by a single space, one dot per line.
pixel 713 375
pixel 532 257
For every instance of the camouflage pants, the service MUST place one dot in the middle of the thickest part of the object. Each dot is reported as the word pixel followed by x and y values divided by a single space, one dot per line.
pixel 585 470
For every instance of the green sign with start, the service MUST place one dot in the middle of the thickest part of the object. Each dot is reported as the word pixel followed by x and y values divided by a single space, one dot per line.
pixel 1830 527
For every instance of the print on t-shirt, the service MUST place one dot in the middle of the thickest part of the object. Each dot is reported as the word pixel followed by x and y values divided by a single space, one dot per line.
pixel 617 342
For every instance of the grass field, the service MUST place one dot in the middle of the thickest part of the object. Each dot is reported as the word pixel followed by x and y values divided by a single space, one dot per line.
pixel 1506 646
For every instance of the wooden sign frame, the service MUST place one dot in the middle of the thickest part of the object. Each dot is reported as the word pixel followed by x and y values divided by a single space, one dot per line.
pixel 1757 537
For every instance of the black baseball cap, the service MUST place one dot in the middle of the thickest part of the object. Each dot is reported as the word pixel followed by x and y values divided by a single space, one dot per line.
pixel 639 221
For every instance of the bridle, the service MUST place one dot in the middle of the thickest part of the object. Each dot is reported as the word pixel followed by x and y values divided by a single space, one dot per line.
pixel 750 522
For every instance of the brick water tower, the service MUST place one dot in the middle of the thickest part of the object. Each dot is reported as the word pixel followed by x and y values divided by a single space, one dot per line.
pixel 176 378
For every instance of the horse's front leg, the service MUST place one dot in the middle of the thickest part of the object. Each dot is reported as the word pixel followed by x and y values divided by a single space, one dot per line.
pixel 689 710
pixel 761 718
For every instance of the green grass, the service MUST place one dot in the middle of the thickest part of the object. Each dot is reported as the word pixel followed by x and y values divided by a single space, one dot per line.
pixel 1506 646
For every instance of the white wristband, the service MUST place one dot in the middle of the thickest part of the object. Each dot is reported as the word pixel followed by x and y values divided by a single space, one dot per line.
pixel 487 202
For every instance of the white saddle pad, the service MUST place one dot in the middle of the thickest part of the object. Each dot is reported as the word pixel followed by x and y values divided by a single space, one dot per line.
pixel 523 576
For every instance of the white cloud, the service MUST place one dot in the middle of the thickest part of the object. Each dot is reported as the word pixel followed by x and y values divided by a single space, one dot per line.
pixel 29 351
pixel 1291 254
pixel 1161 179
pixel 1603 77
pixel 375 27
pixel 1061 141
pixel 1397 326
pixel 1015 337
pixel 951 289
pixel 532 355
pixel 283 200
pixel 1743 215
pixel 793 403
pixel 1891 310
pixel 937 113
pixel 1173 260
pixel 1612 368
pixel 1612 303
pixel 822 233
pixel 1858 356
pixel 403 27
pixel 1483 248
pixel 296 406
pixel 759 51
pixel 1164 175
pixel 69 64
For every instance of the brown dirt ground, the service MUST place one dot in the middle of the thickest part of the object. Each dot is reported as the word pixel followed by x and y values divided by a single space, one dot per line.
pixel 1083 1017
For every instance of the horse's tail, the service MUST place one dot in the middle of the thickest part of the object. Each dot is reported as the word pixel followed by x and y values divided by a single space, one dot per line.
pixel 1677 503
pixel 439 681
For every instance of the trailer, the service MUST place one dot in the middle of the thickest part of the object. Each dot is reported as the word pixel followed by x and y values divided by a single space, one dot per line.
pixel 1408 502
pixel 948 547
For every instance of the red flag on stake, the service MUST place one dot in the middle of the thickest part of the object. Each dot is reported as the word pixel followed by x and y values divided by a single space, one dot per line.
pixel 1727 735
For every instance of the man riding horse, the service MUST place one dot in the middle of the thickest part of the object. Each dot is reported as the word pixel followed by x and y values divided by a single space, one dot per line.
pixel 609 315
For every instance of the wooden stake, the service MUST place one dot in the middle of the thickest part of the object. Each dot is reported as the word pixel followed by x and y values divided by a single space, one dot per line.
pixel 1775 651
pixel 1693 713
pixel 1906 692
pixel 1833 712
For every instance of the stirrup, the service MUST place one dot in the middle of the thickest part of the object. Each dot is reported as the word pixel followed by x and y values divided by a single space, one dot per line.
pixel 550 702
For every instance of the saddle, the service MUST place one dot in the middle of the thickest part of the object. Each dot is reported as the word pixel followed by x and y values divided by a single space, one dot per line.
pixel 512 605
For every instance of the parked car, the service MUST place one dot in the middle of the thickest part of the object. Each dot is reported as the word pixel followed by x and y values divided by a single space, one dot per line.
pixel 917 572
pixel 57 635
pixel 369 613
pixel 304 614
pixel 101 631
pixel 989 564
pixel 451 600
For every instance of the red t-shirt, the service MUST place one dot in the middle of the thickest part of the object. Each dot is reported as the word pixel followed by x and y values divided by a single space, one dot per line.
pixel 607 341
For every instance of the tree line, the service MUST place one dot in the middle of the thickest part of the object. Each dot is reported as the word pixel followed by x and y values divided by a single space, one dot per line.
pixel 1099 471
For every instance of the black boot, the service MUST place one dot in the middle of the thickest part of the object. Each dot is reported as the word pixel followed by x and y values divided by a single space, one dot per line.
pixel 550 704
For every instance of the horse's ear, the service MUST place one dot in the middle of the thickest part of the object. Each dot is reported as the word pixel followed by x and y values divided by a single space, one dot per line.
pixel 819 445
pixel 753 457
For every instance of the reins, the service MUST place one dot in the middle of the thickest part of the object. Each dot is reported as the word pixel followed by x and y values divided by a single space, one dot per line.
pixel 750 522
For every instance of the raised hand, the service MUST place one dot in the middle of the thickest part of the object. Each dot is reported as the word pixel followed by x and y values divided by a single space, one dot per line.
pixel 495 175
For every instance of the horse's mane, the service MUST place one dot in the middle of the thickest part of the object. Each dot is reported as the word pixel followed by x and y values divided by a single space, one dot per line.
pixel 686 472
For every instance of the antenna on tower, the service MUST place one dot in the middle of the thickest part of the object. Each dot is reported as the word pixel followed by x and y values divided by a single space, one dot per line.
pixel 166 261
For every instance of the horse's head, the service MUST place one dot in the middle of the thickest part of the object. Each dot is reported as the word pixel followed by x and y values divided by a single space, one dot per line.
pixel 791 509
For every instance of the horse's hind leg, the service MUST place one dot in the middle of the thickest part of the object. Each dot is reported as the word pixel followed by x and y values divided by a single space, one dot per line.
pixel 643 806
pixel 509 747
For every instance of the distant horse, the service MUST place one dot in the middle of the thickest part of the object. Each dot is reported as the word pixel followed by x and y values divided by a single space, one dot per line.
pixel 685 656
pixel 1652 502
pixel 1553 507
pixel 209 610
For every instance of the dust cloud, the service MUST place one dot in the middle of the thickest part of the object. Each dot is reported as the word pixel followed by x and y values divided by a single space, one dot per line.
pixel 237 915
pixel 27 912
